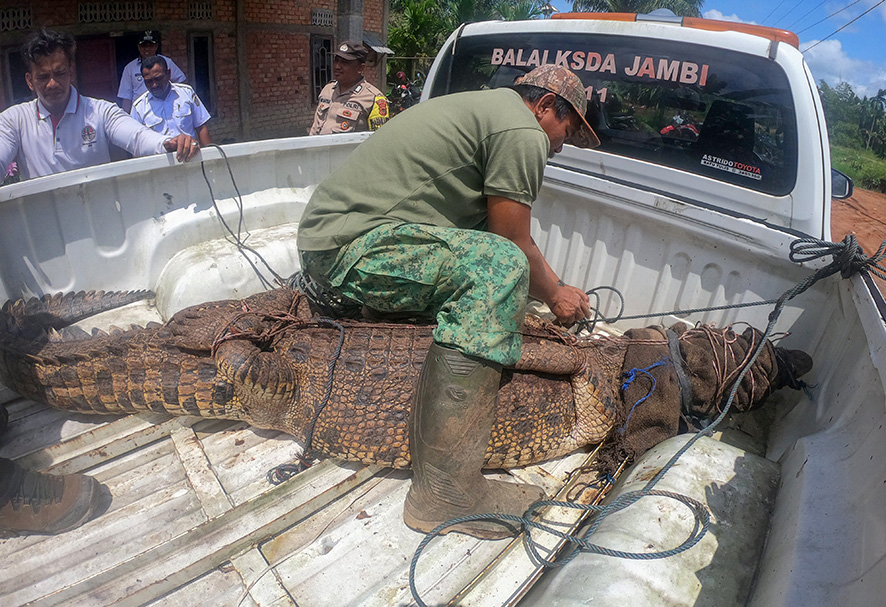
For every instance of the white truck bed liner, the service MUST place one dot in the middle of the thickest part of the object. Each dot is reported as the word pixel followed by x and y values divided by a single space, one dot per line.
pixel 192 519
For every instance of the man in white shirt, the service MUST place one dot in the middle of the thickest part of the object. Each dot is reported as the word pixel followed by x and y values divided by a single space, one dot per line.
pixel 62 130
pixel 170 108
pixel 131 84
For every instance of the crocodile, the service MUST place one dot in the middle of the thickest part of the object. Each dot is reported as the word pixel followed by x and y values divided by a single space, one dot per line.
pixel 344 387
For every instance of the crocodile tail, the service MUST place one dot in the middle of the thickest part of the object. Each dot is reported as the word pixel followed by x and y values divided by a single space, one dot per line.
pixel 120 372
pixel 63 309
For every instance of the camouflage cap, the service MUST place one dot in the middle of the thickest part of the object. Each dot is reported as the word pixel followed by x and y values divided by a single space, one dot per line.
pixel 563 82
pixel 351 51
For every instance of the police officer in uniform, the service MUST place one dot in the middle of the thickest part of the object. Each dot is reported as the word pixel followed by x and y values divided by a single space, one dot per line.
pixel 349 103
pixel 131 84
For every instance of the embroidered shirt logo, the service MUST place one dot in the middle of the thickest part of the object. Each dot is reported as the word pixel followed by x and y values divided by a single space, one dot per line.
pixel 88 135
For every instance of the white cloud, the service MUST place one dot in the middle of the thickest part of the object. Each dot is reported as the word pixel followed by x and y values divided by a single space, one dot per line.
pixel 715 14
pixel 829 62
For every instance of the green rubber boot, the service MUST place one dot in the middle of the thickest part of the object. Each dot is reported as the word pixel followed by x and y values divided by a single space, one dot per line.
pixel 450 429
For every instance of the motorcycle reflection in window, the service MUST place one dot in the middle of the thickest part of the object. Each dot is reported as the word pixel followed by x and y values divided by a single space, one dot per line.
pixel 404 94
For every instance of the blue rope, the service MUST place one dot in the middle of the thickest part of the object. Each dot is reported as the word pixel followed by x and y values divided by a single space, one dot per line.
pixel 630 376
pixel 848 259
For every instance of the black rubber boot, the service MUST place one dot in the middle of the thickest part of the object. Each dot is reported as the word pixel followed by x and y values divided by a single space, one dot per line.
pixel 450 429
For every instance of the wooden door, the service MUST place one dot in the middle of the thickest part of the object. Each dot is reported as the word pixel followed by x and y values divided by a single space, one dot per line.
pixel 97 68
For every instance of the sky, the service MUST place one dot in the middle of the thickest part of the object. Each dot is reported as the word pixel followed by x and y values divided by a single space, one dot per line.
pixel 855 54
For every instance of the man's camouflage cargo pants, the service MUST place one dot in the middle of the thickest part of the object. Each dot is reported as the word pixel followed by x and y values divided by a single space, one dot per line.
pixel 473 283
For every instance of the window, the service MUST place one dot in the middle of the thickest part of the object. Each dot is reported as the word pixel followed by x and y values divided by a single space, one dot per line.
pixel 201 76
pixel 321 63
pixel 717 113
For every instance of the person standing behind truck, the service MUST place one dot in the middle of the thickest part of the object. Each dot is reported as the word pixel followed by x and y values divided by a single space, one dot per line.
pixel 132 85
pixel 170 108
pixel 349 104
pixel 63 130
pixel 441 230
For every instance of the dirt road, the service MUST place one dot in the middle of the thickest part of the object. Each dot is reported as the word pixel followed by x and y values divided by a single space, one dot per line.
pixel 862 214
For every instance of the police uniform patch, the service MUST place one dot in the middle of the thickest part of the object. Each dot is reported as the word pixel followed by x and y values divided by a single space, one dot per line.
pixel 88 135
pixel 345 125
pixel 347 113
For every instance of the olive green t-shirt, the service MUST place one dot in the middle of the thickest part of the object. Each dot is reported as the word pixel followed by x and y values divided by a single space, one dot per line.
pixel 433 164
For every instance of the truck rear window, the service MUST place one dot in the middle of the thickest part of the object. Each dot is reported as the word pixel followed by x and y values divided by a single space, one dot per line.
pixel 717 113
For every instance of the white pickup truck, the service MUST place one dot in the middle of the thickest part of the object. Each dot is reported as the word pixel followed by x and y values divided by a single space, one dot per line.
pixel 714 158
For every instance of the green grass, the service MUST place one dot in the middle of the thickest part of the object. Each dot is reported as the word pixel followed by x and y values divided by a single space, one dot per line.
pixel 866 169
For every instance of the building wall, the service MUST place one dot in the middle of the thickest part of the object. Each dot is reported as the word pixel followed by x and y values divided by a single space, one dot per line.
pixel 261 64
pixel 280 91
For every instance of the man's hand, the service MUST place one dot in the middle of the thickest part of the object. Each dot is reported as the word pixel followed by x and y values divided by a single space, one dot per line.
pixel 570 305
pixel 185 147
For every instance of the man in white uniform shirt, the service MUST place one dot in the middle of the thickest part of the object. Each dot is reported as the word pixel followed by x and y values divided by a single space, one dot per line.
pixel 170 108
pixel 131 84
pixel 62 130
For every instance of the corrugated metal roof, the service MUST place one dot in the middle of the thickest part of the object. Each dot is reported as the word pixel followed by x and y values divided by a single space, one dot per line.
pixel 376 43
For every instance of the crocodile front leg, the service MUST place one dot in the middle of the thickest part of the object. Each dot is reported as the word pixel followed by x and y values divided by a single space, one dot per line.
pixel 265 385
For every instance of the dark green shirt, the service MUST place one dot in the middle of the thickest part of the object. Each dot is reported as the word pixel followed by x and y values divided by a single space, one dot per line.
pixel 433 164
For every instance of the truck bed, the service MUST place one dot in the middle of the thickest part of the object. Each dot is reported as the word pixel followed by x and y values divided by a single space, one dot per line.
pixel 190 517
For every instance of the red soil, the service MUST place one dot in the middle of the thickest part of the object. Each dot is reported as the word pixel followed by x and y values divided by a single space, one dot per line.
pixel 862 214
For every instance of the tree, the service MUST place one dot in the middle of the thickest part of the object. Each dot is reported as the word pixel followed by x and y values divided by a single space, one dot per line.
pixel 877 107
pixel 418 27
pixel 469 11
pixel 683 8
pixel 841 104
pixel 519 10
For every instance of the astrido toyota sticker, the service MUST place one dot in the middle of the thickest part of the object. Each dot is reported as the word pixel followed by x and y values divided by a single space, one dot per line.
pixel 732 166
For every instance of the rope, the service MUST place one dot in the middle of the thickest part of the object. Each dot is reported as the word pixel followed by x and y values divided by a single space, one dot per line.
pixel 282 473
pixel 591 323
pixel 630 376
pixel 702 518
pixel 235 238
pixel 852 260
pixel 848 259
